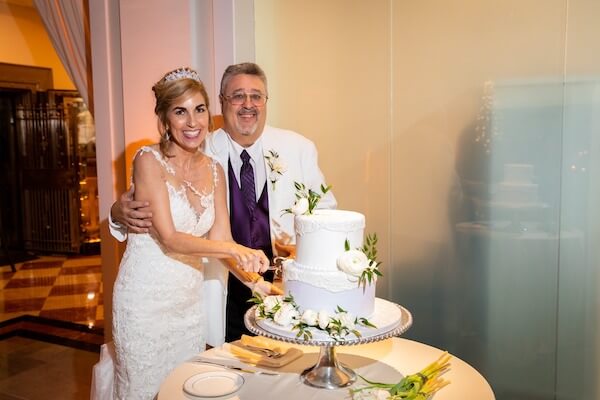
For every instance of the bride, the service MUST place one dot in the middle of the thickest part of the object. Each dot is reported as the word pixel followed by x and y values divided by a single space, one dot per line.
pixel 158 313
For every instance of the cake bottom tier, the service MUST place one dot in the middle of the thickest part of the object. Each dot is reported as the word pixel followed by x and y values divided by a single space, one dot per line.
pixel 359 301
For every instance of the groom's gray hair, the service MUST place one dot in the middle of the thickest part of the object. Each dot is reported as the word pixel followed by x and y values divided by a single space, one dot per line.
pixel 246 68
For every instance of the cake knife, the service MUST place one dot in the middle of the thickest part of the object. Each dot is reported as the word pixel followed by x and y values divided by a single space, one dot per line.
pixel 249 371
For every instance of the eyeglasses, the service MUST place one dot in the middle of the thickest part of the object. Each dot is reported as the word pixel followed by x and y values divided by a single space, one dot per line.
pixel 257 99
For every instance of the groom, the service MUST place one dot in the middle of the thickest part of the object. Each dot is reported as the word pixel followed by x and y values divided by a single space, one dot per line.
pixel 261 164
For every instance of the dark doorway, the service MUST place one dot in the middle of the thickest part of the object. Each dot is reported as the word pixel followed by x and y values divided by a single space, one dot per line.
pixel 11 233
pixel 48 196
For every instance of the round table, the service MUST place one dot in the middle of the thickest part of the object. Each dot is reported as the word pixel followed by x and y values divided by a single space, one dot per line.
pixel 385 361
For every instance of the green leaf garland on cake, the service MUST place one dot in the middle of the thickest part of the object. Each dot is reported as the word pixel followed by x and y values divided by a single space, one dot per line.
pixel 284 311
pixel 306 199
pixel 361 264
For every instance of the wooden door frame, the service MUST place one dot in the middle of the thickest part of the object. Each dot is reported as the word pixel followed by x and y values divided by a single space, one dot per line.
pixel 16 76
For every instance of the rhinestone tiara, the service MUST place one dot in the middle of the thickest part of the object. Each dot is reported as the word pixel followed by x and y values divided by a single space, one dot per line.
pixel 183 73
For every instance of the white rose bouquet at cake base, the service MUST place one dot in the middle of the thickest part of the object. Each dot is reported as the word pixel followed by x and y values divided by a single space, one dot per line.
pixel 286 315
pixel 284 311
pixel 311 318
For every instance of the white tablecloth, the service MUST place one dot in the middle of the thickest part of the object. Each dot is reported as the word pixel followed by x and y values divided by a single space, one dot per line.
pixel 385 361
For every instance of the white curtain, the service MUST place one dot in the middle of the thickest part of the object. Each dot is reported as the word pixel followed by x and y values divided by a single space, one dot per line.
pixel 66 23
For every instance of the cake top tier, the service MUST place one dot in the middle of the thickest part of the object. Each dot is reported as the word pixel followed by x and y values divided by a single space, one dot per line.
pixel 331 220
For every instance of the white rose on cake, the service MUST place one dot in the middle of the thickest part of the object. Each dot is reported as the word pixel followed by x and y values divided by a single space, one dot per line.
pixel 323 319
pixel 353 262
pixel 347 320
pixel 271 302
pixel 286 315
pixel 309 317
pixel 300 207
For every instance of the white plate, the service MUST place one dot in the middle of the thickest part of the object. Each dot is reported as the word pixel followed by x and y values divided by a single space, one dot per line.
pixel 213 384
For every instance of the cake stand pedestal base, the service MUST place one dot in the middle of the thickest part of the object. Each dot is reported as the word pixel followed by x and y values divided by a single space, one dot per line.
pixel 328 373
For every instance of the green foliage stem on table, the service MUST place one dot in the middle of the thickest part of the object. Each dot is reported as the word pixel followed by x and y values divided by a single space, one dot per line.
pixel 419 386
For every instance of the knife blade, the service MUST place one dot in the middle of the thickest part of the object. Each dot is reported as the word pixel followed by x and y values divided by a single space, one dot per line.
pixel 248 371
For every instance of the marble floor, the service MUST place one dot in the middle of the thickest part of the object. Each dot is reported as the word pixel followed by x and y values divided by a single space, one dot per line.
pixel 51 320
pixel 58 288
pixel 36 370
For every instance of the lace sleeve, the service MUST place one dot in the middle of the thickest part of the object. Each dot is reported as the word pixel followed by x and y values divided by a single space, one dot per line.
pixel 159 157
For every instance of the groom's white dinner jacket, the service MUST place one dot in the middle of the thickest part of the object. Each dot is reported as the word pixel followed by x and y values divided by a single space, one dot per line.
pixel 299 157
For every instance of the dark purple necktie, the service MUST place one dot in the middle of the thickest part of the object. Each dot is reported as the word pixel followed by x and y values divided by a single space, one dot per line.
pixel 247 181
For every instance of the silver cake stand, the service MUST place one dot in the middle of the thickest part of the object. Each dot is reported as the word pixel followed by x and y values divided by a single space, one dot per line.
pixel 328 372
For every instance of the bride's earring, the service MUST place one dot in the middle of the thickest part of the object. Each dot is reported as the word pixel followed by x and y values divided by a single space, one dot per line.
pixel 167 135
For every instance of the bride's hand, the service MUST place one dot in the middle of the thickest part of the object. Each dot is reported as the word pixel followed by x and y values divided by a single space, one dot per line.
pixel 250 260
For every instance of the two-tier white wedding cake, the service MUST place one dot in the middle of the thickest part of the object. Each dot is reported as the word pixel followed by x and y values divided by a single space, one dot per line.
pixel 330 283
pixel 324 275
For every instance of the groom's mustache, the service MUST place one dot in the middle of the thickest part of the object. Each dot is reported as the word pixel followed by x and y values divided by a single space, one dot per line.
pixel 247 111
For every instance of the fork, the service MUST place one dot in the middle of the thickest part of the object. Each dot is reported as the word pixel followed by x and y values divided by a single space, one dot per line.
pixel 268 352
pixel 249 371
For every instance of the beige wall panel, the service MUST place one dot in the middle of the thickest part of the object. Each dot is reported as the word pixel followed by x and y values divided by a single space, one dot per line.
pixel 155 39
pixel 329 79
pixel 413 104
pixel 443 53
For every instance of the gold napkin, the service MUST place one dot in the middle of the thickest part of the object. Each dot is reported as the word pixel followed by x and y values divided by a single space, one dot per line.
pixel 240 350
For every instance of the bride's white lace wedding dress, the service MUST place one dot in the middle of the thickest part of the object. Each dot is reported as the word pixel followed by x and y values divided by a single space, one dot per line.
pixel 158 313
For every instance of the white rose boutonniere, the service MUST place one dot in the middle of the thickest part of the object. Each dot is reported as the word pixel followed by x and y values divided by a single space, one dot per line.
pixel 276 166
